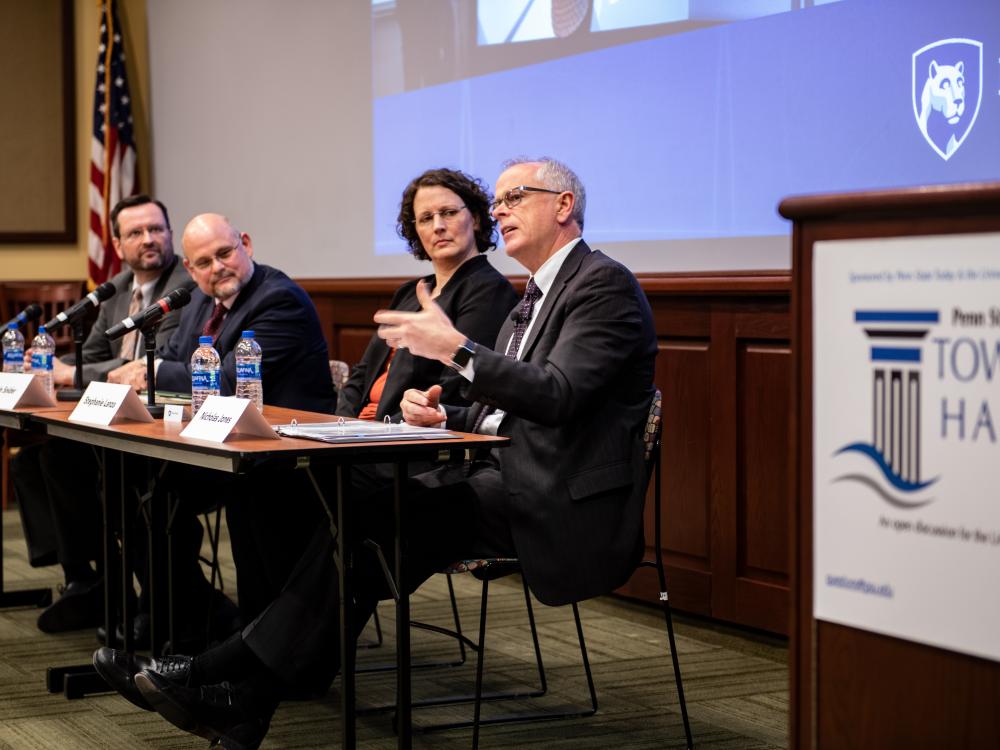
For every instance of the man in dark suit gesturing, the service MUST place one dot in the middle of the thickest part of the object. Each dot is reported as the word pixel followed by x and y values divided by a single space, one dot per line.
pixel 572 393
pixel 570 384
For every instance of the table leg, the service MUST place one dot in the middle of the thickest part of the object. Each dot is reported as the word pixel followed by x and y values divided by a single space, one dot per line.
pixel 403 697
pixel 347 654
pixel 77 681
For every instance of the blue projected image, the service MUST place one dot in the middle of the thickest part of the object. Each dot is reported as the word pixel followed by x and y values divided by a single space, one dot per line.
pixel 701 134
pixel 507 21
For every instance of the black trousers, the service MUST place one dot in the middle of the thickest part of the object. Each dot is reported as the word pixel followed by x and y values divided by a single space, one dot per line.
pixel 58 496
pixel 450 514
pixel 271 514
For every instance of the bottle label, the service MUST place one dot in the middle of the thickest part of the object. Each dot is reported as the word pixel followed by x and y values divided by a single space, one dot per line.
pixel 248 370
pixel 205 380
pixel 13 356
pixel 41 361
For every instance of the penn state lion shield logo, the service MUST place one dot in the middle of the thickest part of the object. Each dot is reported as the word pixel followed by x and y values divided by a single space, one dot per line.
pixel 947 92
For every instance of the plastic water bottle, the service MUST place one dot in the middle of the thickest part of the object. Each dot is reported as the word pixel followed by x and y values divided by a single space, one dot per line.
pixel 43 350
pixel 206 375
pixel 13 350
pixel 248 381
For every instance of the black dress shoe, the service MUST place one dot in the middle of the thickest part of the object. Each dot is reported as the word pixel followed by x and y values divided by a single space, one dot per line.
pixel 80 606
pixel 119 669
pixel 209 711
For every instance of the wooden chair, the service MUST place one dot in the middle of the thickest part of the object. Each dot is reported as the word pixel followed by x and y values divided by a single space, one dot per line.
pixel 14 297
pixel 54 297
pixel 340 372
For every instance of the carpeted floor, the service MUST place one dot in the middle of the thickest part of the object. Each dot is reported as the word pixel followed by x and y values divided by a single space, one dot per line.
pixel 736 683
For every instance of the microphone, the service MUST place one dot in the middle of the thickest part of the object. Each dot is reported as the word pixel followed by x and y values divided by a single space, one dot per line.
pixel 516 316
pixel 173 301
pixel 104 292
pixel 31 312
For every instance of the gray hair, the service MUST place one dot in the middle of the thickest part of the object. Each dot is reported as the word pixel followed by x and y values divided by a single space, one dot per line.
pixel 555 175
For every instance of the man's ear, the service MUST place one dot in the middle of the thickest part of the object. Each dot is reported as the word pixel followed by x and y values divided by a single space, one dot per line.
pixel 247 243
pixel 116 243
pixel 564 207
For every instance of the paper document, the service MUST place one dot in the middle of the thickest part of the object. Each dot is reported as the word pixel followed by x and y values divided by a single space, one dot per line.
pixel 352 431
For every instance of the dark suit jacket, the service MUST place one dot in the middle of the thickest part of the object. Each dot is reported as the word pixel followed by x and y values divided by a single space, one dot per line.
pixel 576 405
pixel 477 299
pixel 295 368
pixel 100 355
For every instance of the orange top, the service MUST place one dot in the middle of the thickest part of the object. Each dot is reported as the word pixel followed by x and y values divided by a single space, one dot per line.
pixel 375 394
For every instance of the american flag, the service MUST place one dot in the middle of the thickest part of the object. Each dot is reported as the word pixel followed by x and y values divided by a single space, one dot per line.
pixel 112 151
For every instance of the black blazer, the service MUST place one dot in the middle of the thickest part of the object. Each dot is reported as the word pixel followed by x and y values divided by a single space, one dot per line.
pixel 295 368
pixel 477 299
pixel 576 406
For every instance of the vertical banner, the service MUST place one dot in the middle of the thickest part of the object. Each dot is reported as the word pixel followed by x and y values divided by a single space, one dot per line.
pixel 112 152
pixel 906 471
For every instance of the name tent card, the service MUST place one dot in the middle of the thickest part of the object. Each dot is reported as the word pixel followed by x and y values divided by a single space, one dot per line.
pixel 109 403
pixel 173 413
pixel 18 390
pixel 220 417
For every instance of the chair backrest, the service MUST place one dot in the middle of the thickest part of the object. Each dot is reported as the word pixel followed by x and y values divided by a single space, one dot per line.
pixel 651 437
pixel 53 297
pixel 340 372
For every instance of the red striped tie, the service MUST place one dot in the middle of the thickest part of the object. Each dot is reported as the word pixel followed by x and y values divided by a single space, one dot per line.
pixel 215 322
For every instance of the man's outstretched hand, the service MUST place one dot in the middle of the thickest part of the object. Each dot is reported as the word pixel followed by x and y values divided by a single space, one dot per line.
pixel 427 333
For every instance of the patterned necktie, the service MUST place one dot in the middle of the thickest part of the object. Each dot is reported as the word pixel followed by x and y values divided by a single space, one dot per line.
pixel 521 320
pixel 131 338
pixel 215 322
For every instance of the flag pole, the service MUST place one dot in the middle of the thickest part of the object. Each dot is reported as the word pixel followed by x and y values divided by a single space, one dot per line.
pixel 108 156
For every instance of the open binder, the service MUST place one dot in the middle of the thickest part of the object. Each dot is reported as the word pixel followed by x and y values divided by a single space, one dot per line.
pixel 352 431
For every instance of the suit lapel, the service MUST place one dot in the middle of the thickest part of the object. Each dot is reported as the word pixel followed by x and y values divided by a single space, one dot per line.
pixel 235 312
pixel 568 270
pixel 161 283
pixel 118 307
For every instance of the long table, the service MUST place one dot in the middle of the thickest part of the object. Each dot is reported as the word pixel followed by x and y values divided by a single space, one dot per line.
pixel 161 440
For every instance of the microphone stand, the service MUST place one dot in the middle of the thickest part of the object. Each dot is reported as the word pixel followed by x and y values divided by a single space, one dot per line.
pixel 76 392
pixel 149 339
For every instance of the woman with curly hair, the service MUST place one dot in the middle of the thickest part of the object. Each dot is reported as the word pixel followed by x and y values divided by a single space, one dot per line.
pixel 444 216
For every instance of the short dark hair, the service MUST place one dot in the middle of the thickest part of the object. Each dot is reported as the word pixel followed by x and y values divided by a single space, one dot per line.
pixel 131 202
pixel 473 194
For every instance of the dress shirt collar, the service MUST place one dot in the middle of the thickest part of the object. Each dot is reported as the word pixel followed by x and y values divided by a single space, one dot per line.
pixel 146 290
pixel 546 274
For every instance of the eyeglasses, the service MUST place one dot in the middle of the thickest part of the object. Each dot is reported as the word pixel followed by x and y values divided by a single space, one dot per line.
pixel 516 194
pixel 155 230
pixel 203 264
pixel 447 216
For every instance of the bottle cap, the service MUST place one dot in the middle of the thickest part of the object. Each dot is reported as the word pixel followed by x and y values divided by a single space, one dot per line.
pixel 248 334
pixel 12 326
pixel 41 330
pixel 205 340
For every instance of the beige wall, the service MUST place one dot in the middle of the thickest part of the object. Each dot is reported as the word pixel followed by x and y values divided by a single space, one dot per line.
pixel 69 262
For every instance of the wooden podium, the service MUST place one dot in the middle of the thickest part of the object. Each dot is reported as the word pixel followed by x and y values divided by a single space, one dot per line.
pixel 851 688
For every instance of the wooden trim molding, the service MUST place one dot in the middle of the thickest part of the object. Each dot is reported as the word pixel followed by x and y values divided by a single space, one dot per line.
pixel 778 281
pixel 967 199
